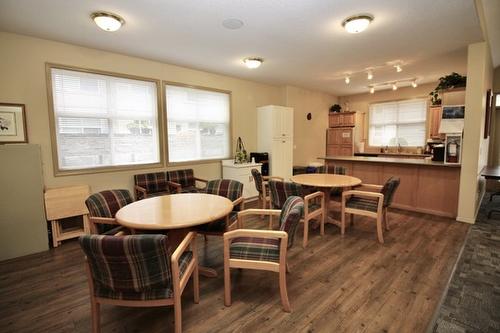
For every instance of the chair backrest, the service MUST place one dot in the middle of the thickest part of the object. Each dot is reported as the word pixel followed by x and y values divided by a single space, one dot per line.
pixel 290 216
pixel 152 182
pixel 185 177
pixel 389 189
pixel 336 170
pixel 137 263
pixel 231 189
pixel 257 177
pixel 107 203
pixel 280 191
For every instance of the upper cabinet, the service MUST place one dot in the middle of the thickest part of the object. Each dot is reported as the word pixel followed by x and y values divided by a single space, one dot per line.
pixel 341 119
pixel 435 113
pixel 280 118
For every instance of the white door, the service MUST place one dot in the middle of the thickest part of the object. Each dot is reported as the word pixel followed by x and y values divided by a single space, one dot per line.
pixel 286 122
pixel 277 122
pixel 282 158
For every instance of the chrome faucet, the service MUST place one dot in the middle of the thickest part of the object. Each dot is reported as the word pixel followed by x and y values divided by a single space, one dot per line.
pixel 399 148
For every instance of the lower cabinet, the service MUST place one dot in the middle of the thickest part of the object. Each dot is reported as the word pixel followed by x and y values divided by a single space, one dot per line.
pixel 243 174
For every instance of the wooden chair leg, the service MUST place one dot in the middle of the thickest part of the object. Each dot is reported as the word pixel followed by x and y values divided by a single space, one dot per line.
pixel 283 291
pixel 196 284
pixel 323 219
pixel 380 234
pixel 306 233
pixel 386 219
pixel 270 222
pixel 96 315
pixel 227 276
pixel 55 233
pixel 342 221
pixel 288 270
pixel 177 313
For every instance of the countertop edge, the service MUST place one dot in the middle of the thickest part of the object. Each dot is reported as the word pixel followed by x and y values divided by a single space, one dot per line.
pixel 391 160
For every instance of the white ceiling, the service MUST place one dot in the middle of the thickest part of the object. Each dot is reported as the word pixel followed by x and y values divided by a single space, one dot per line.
pixel 302 41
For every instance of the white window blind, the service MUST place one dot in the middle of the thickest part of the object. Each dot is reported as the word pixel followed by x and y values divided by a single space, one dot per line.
pixel 103 120
pixel 198 124
pixel 401 122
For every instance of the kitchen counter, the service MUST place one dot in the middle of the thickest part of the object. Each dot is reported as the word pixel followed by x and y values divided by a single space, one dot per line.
pixel 395 160
pixel 403 155
pixel 426 186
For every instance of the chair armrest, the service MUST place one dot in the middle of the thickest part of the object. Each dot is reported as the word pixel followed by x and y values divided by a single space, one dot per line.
pixel 177 186
pixel 255 233
pixel 239 201
pixel 246 212
pixel 314 195
pixel 103 220
pixel 141 190
pixel 370 186
pixel 201 180
pixel 189 240
pixel 310 197
pixel 267 178
pixel 365 194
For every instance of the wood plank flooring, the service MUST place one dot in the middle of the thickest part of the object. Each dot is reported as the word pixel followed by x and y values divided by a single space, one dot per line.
pixel 337 284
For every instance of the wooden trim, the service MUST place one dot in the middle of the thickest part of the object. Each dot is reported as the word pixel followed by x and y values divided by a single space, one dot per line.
pixel 52 125
pixel 164 85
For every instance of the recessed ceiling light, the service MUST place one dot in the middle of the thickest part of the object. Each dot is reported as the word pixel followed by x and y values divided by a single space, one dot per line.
pixel 372 90
pixel 253 62
pixel 107 21
pixel 232 23
pixel 357 23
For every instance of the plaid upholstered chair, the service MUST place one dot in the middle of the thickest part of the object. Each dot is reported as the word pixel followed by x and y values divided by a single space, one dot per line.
pixel 154 184
pixel 261 185
pixel 139 270
pixel 313 204
pixel 370 203
pixel 231 189
pixel 186 180
pixel 263 249
pixel 336 170
pixel 102 208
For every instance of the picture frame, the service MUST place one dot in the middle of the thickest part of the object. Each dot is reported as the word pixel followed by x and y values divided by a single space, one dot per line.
pixel 13 123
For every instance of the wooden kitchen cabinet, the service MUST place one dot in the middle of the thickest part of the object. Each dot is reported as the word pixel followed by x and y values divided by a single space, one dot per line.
pixel 341 119
pixel 435 113
pixel 339 141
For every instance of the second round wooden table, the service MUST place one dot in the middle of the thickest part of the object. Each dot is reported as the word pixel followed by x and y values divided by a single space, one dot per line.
pixel 177 213
pixel 325 182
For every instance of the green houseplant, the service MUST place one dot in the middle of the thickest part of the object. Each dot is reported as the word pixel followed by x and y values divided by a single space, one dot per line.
pixel 454 80
pixel 335 108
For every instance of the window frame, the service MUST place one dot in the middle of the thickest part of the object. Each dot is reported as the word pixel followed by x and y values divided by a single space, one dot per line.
pixel 52 124
pixel 427 129
pixel 165 111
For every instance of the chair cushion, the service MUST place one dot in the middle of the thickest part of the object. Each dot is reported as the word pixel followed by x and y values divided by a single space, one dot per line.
pixel 191 189
pixel 152 294
pixel 254 248
pixel 362 203
pixel 185 177
pixel 218 226
pixel 152 182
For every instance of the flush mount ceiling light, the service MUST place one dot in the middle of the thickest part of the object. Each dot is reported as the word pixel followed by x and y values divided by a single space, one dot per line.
pixel 398 68
pixel 347 80
pixel 357 23
pixel 369 75
pixel 253 62
pixel 394 86
pixel 107 21
pixel 414 84
pixel 232 23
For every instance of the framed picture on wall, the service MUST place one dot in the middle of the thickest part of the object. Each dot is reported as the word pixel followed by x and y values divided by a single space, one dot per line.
pixel 13 123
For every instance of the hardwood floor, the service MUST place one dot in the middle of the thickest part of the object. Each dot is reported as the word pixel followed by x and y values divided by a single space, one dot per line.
pixel 349 284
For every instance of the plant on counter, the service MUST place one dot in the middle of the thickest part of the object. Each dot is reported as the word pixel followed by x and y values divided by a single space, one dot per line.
pixel 454 80
pixel 335 108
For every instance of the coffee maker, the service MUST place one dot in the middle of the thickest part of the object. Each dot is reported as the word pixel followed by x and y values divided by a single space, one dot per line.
pixel 436 149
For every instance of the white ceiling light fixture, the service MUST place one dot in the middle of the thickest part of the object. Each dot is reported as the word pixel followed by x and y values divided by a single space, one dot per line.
pixel 232 24
pixel 253 62
pixel 394 86
pixel 357 23
pixel 414 84
pixel 347 80
pixel 107 21
pixel 369 75
pixel 398 68
pixel 372 90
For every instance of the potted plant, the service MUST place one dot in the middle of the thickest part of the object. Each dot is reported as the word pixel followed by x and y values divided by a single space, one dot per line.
pixel 335 108
pixel 454 80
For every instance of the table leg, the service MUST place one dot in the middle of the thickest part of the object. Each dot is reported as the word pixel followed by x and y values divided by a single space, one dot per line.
pixel 326 191
pixel 175 237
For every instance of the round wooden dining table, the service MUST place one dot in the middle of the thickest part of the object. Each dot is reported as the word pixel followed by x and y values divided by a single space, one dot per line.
pixel 325 182
pixel 177 214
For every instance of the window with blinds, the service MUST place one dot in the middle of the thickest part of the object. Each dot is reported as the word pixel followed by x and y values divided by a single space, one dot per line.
pixel 104 121
pixel 198 124
pixel 398 123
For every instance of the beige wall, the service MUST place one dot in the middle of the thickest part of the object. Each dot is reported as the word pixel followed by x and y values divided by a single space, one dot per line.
pixel 475 147
pixel 361 103
pixel 22 80
pixel 309 135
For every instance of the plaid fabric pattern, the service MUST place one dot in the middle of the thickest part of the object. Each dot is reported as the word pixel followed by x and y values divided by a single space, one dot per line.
pixel 254 248
pixel 389 189
pixel 257 177
pixel 132 267
pixel 290 216
pixel 362 203
pixel 107 203
pixel 153 183
pixel 231 189
pixel 185 177
pixel 280 191
pixel 337 170
pixel 190 189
